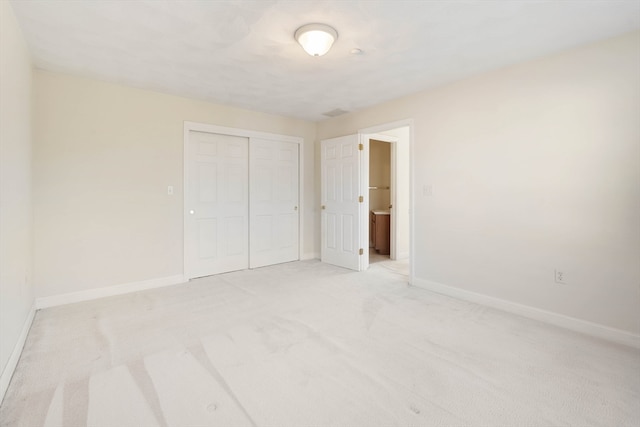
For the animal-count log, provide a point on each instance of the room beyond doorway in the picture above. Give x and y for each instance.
(380, 206)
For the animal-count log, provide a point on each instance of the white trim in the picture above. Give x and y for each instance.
(223, 130)
(300, 196)
(12, 363)
(204, 127)
(394, 125)
(412, 204)
(577, 325)
(393, 198)
(381, 137)
(387, 126)
(185, 198)
(363, 208)
(107, 291)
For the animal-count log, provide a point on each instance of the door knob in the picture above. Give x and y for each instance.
(295, 208)
(324, 207)
(390, 206)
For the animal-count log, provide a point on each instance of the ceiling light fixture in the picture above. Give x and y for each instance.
(316, 39)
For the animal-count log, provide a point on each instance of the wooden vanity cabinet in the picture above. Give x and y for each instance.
(380, 231)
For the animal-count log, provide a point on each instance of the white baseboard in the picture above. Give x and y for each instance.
(107, 291)
(589, 328)
(12, 363)
(310, 255)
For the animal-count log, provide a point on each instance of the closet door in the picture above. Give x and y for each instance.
(217, 208)
(273, 201)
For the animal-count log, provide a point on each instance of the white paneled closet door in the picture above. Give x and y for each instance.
(274, 204)
(241, 202)
(217, 225)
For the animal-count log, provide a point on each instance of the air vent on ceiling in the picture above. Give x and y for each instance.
(334, 113)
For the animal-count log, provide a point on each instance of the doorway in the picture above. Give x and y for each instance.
(387, 156)
(380, 207)
(345, 215)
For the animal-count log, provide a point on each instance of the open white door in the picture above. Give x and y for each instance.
(274, 203)
(341, 202)
(217, 204)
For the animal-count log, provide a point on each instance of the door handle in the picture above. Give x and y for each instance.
(323, 207)
(390, 206)
(295, 208)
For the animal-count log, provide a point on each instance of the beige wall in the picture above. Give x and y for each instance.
(16, 249)
(379, 174)
(534, 167)
(104, 155)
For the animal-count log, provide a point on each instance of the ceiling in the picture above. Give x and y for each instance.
(242, 53)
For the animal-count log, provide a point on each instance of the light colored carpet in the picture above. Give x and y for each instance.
(308, 344)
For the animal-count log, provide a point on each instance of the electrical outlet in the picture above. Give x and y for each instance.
(560, 277)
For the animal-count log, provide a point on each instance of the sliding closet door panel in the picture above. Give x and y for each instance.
(217, 208)
(274, 206)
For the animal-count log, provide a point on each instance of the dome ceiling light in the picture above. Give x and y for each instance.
(316, 39)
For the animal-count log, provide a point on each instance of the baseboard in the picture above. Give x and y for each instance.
(12, 363)
(589, 328)
(107, 291)
(310, 255)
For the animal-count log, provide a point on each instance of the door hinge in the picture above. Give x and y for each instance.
(361, 199)
(360, 147)
(361, 251)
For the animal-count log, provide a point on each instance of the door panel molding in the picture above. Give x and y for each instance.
(274, 206)
(189, 126)
(216, 226)
(340, 169)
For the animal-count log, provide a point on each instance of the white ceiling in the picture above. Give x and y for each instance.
(242, 52)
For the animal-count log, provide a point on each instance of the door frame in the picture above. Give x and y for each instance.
(392, 141)
(374, 132)
(223, 130)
